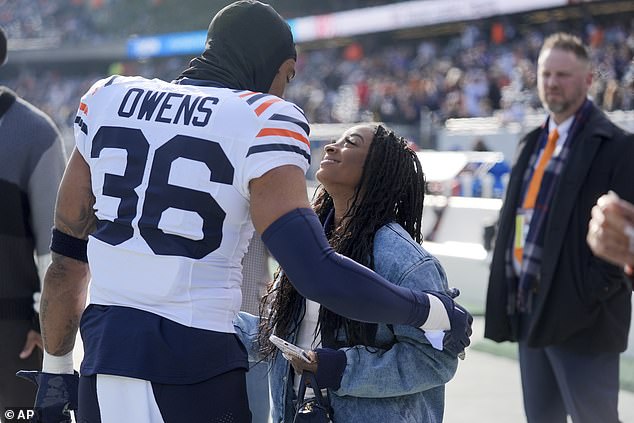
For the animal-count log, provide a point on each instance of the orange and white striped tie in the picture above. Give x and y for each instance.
(536, 182)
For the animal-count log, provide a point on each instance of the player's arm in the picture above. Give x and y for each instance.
(66, 280)
(293, 234)
(64, 294)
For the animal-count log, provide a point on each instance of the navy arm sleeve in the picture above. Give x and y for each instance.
(298, 243)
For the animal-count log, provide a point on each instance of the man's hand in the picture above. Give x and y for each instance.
(611, 231)
(456, 339)
(56, 395)
(33, 339)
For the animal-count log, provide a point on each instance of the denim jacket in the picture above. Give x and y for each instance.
(405, 383)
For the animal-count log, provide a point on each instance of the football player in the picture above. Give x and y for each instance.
(161, 195)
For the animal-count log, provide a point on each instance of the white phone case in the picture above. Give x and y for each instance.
(289, 349)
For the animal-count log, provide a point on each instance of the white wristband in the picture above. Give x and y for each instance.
(58, 364)
(438, 318)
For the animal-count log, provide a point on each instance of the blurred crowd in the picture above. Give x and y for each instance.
(56, 22)
(482, 69)
(76, 21)
(58, 92)
(486, 70)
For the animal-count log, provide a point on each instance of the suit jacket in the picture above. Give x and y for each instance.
(581, 300)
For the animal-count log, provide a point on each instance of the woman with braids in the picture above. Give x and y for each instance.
(371, 206)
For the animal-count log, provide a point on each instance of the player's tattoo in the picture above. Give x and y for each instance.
(82, 221)
(57, 270)
(67, 344)
(68, 341)
(43, 312)
(62, 325)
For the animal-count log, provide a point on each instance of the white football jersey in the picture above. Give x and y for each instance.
(170, 166)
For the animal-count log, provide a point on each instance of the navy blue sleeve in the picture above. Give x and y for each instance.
(298, 243)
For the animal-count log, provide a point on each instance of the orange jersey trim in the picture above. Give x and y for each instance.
(262, 107)
(268, 132)
(248, 93)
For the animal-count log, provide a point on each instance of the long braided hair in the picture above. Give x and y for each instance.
(391, 189)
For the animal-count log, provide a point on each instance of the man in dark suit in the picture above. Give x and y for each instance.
(569, 310)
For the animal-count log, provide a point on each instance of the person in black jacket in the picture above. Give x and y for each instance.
(32, 162)
(569, 310)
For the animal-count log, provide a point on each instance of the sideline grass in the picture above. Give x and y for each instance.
(509, 350)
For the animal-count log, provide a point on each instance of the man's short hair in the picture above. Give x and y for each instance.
(566, 42)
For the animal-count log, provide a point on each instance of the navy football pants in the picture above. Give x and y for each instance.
(116, 399)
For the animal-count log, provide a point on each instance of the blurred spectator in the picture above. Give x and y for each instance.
(75, 21)
(569, 311)
(31, 166)
(487, 69)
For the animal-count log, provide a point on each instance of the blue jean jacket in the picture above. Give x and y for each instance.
(405, 383)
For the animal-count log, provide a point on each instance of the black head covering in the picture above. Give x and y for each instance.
(247, 42)
(3, 47)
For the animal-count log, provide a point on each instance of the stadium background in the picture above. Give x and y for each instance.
(418, 74)
(446, 73)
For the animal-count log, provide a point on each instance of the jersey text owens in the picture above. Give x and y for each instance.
(167, 107)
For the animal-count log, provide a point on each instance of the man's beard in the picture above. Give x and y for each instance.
(558, 107)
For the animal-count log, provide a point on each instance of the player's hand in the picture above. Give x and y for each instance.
(33, 339)
(457, 339)
(56, 395)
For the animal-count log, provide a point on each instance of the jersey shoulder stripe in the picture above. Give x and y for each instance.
(303, 125)
(245, 93)
(271, 132)
(265, 105)
(253, 97)
(283, 129)
(81, 124)
(105, 82)
(279, 118)
(300, 111)
(83, 104)
(110, 80)
(256, 97)
(263, 148)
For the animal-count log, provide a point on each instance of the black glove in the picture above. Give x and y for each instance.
(457, 339)
(56, 395)
(330, 366)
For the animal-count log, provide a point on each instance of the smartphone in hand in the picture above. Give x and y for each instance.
(289, 349)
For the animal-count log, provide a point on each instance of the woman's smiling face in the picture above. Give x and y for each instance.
(342, 165)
